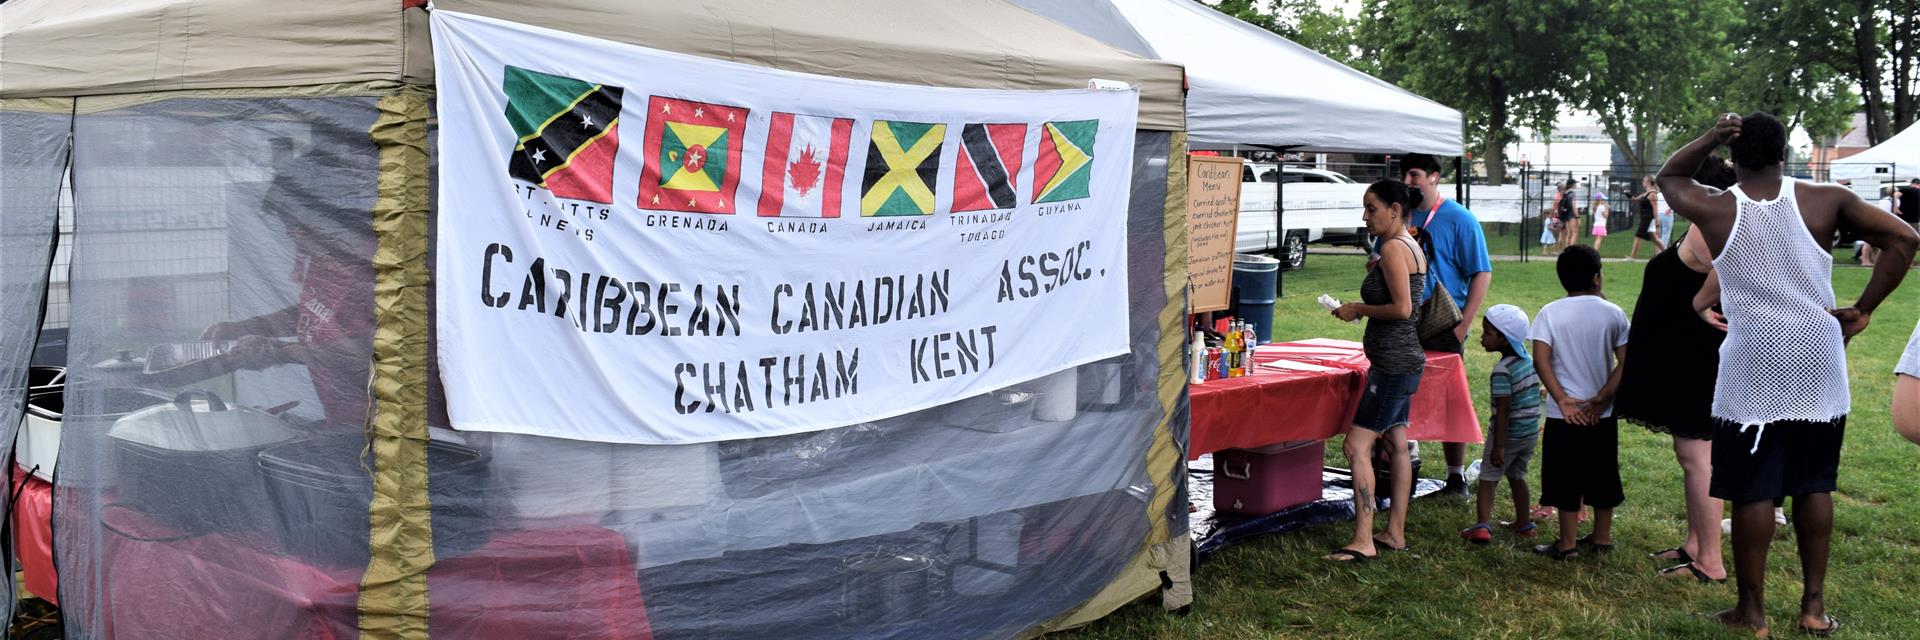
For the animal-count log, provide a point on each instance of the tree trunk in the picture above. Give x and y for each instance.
(1903, 38)
(1496, 153)
(1867, 57)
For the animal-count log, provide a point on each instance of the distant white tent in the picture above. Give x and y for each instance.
(1896, 158)
(1249, 86)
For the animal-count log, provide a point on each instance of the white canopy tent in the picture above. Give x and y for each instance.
(1248, 86)
(1896, 158)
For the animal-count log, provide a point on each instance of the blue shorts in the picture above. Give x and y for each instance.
(1386, 400)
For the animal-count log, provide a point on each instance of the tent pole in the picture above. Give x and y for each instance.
(1460, 180)
(1280, 217)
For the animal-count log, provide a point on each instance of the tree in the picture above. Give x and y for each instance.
(1791, 58)
(1503, 63)
(1640, 68)
(1306, 22)
(1890, 71)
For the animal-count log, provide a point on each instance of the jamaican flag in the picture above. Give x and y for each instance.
(566, 129)
(903, 159)
(1065, 166)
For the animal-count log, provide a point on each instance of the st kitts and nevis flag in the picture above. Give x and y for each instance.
(1065, 164)
(567, 133)
(903, 159)
(988, 166)
(692, 156)
(806, 165)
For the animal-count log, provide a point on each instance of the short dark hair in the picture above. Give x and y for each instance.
(1762, 142)
(1577, 266)
(1914, 181)
(1420, 161)
(1716, 173)
(1391, 192)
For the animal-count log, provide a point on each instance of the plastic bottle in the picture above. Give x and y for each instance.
(1197, 359)
(1233, 350)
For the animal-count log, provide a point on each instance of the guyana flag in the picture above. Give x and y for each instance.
(1065, 165)
(903, 159)
(567, 133)
(692, 156)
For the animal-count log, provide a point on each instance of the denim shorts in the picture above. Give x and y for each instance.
(1386, 400)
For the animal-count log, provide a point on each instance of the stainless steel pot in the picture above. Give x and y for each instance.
(888, 588)
(87, 426)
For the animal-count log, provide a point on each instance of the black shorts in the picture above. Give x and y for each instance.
(1752, 463)
(1580, 466)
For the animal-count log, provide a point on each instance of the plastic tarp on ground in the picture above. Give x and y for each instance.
(1899, 154)
(287, 228)
(1252, 87)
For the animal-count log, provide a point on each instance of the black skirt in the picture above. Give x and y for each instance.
(1672, 355)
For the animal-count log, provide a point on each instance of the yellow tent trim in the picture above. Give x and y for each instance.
(393, 591)
(1162, 552)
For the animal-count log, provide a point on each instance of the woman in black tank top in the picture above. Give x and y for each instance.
(1563, 207)
(1390, 301)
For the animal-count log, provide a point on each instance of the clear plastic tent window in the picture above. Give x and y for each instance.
(222, 285)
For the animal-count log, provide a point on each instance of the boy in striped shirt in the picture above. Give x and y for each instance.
(1515, 394)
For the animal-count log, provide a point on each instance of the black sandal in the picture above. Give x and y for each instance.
(1387, 547)
(1689, 567)
(1344, 555)
(1680, 555)
(1587, 541)
(1553, 550)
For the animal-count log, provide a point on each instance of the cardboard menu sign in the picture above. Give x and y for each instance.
(1213, 217)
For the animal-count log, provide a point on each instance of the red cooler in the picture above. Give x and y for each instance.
(1268, 479)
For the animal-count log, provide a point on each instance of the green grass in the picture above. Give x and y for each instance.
(1276, 587)
(1615, 246)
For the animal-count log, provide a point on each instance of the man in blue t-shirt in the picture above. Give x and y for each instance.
(1459, 262)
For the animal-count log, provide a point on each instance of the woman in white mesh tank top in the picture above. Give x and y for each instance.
(1781, 399)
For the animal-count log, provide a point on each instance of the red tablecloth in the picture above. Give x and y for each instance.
(575, 583)
(33, 535)
(1308, 390)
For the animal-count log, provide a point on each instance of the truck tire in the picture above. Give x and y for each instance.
(1293, 252)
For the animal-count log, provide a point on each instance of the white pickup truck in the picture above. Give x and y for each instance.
(1320, 203)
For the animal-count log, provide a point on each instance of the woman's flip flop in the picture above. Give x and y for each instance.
(1382, 544)
(1344, 555)
(1677, 553)
(1689, 569)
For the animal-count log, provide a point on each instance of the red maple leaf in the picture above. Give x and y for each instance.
(804, 172)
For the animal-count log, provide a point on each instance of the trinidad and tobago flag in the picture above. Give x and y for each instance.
(989, 164)
(692, 155)
(806, 164)
(568, 133)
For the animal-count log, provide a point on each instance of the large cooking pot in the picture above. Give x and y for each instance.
(888, 588)
(319, 488)
(38, 445)
(192, 463)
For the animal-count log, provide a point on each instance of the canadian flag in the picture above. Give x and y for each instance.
(806, 163)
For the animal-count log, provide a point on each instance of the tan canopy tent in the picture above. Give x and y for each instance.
(100, 47)
(261, 170)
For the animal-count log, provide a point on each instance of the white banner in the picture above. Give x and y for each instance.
(647, 247)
